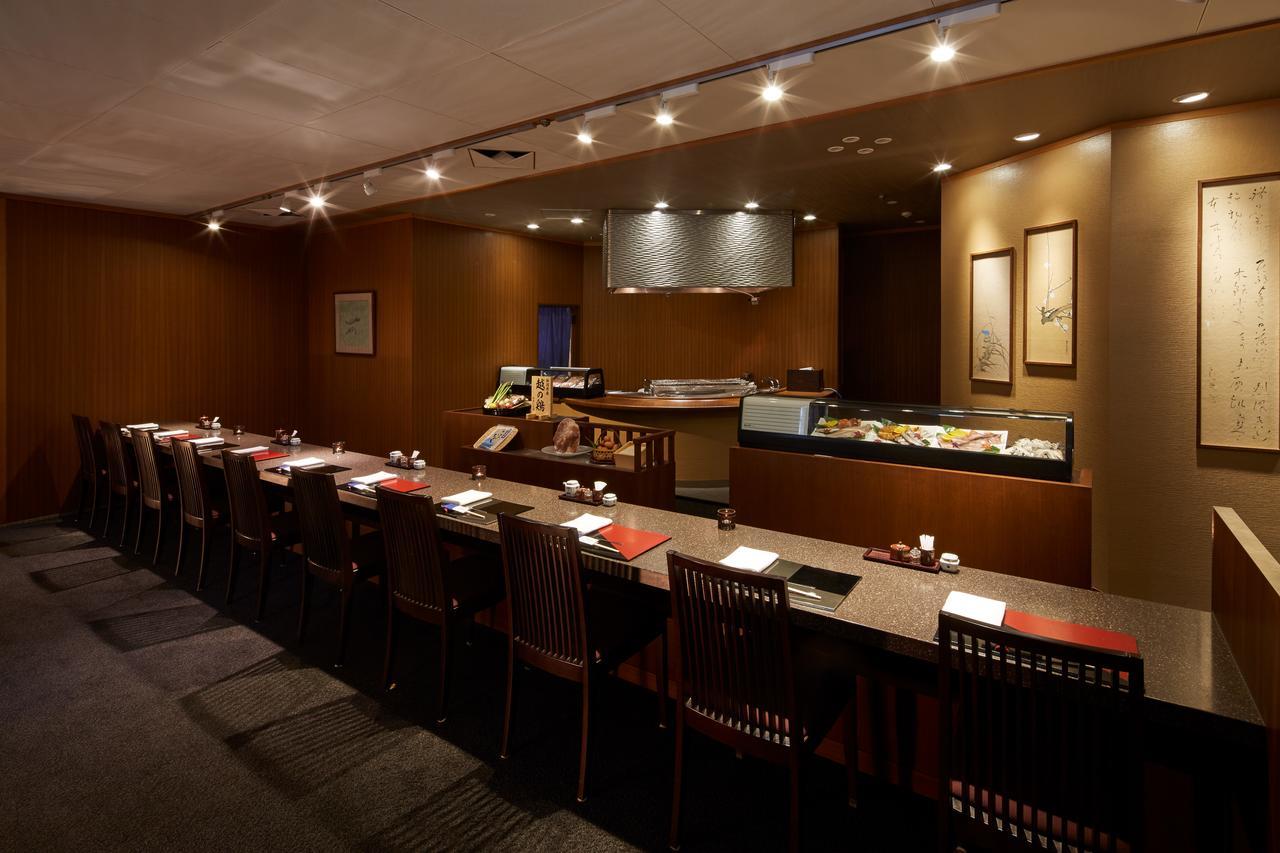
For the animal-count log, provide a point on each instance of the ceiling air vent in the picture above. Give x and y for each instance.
(499, 158)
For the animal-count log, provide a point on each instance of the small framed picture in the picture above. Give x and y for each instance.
(991, 317)
(353, 323)
(1050, 287)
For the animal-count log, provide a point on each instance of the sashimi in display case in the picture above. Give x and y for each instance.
(1017, 443)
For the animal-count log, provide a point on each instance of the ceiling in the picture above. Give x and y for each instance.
(181, 105)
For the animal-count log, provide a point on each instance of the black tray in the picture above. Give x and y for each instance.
(830, 587)
(322, 469)
(489, 509)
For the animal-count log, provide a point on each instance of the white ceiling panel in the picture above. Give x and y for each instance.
(215, 18)
(623, 47)
(325, 152)
(224, 122)
(489, 91)
(14, 151)
(494, 23)
(747, 28)
(394, 124)
(364, 43)
(92, 166)
(35, 125)
(233, 77)
(36, 82)
(57, 187)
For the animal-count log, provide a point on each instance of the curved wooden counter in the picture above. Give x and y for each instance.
(627, 403)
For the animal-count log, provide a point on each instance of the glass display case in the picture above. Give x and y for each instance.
(571, 381)
(1037, 445)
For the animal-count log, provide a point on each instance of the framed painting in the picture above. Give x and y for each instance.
(991, 317)
(1050, 290)
(1238, 314)
(353, 323)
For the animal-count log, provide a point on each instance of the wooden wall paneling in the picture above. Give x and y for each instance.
(477, 297)
(4, 369)
(890, 315)
(116, 315)
(1246, 605)
(1029, 528)
(680, 336)
(366, 401)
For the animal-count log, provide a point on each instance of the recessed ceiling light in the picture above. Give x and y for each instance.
(577, 220)
(751, 205)
(662, 205)
(851, 139)
(891, 201)
(835, 149)
(533, 226)
(866, 150)
(491, 214)
(1191, 98)
(942, 167)
(1029, 136)
(809, 217)
(943, 53)
(884, 140)
(919, 221)
(432, 173)
(906, 214)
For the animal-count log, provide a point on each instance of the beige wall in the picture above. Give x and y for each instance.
(1134, 194)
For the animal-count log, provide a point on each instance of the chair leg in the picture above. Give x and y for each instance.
(663, 682)
(182, 547)
(106, 525)
(582, 755)
(344, 616)
(232, 550)
(93, 505)
(442, 695)
(264, 575)
(155, 555)
(793, 826)
(302, 611)
(506, 717)
(204, 553)
(391, 646)
(677, 784)
(851, 746)
(137, 539)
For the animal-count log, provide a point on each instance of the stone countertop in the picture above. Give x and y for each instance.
(1189, 667)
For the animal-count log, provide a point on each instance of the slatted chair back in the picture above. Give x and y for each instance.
(733, 630)
(117, 465)
(84, 442)
(415, 554)
(192, 487)
(250, 517)
(542, 566)
(324, 533)
(1040, 741)
(144, 454)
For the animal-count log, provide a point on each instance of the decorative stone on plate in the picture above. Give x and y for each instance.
(566, 436)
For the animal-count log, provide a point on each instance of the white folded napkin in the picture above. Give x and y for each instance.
(370, 479)
(588, 523)
(470, 496)
(165, 433)
(210, 440)
(975, 607)
(304, 462)
(750, 559)
(257, 448)
(143, 426)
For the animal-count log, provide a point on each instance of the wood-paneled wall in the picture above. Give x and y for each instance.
(366, 401)
(134, 317)
(4, 370)
(685, 336)
(890, 315)
(477, 294)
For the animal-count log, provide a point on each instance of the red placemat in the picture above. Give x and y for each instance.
(631, 543)
(182, 436)
(399, 484)
(1070, 632)
(263, 455)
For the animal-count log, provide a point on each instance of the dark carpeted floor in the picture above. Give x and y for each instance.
(136, 714)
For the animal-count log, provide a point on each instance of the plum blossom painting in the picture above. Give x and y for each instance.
(991, 317)
(1049, 295)
(353, 321)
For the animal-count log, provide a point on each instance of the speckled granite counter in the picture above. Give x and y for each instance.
(1191, 676)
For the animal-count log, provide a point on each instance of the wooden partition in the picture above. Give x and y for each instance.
(1246, 605)
(1029, 528)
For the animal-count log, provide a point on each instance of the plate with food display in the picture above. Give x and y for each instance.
(582, 450)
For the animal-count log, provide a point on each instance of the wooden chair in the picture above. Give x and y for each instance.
(430, 580)
(155, 492)
(121, 482)
(1039, 742)
(198, 511)
(93, 469)
(561, 626)
(332, 556)
(254, 527)
(738, 677)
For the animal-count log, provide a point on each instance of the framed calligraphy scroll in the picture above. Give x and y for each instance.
(991, 317)
(1238, 314)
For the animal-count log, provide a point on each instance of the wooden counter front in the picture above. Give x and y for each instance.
(1028, 528)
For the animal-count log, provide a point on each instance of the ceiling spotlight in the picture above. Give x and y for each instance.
(664, 116)
(751, 205)
(1191, 98)
(943, 53)
(835, 149)
(884, 140)
(891, 201)
(906, 214)
(809, 217)
(866, 150)
(1029, 136)
(369, 175)
(432, 173)
(286, 206)
(772, 91)
(533, 226)
(213, 225)
(662, 205)
(315, 200)
(577, 220)
(584, 134)
(942, 167)
(852, 139)
(369, 188)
